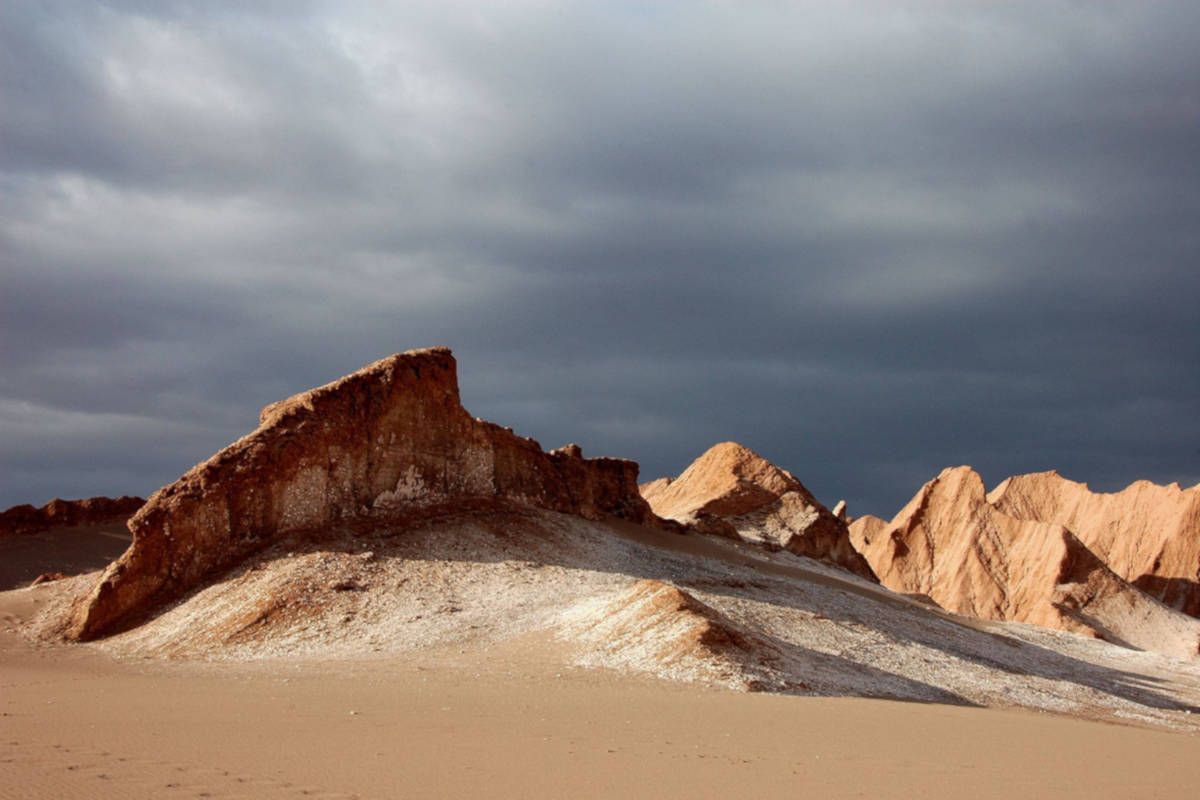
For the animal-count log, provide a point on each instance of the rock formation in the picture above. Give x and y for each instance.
(377, 444)
(732, 491)
(92, 511)
(951, 545)
(864, 530)
(1146, 533)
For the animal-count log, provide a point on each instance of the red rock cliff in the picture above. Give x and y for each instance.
(377, 443)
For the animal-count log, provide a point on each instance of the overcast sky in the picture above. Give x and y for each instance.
(868, 243)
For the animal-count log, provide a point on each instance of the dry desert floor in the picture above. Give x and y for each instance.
(517, 717)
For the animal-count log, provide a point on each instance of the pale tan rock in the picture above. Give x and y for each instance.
(953, 546)
(863, 531)
(732, 491)
(652, 489)
(1147, 533)
(377, 445)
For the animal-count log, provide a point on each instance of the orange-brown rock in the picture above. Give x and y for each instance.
(733, 491)
(376, 444)
(950, 544)
(47, 577)
(1146, 533)
(92, 511)
(864, 529)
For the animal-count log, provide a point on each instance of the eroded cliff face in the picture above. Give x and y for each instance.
(1146, 533)
(92, 511)
(378, 444)
(951, 545)
(732, 491)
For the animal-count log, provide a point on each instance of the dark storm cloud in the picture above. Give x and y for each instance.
(868, 242)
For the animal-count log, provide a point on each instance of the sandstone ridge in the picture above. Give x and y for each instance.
(91, 511)
(379, 444)
(1146, 533)
(732, 491)
(953, 546)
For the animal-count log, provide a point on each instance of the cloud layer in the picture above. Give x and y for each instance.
(868, 243)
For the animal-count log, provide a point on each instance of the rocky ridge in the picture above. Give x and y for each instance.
(1146, 533)
(732, 491)
(953, 546)
(382, 443)
(91, 511)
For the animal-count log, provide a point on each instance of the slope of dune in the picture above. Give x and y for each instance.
(733, 491)
(63, 537)
(950, 544)
(1146, 533)
(655, 627)
(618, 597)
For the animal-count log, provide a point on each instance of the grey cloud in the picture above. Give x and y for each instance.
(868, 242)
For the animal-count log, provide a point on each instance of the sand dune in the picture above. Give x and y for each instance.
(506, 722)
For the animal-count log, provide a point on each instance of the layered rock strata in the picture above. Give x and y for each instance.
(377, 444)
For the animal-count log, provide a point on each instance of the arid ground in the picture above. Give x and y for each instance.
(513, 715)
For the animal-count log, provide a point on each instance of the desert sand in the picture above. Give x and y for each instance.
(508, 722)
(375, 594)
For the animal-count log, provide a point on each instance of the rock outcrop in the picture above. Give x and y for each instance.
(377, 444)
(64, 513)
(1146, 533)
(732, 491)
(951, 545)
(864, 530)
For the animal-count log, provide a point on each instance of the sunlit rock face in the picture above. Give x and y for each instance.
(953, 546)
(1147, 533)
(733, 491)
(386, 441)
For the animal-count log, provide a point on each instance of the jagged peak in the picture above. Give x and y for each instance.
(741, 462)
(961, 478)
(1053, 480)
